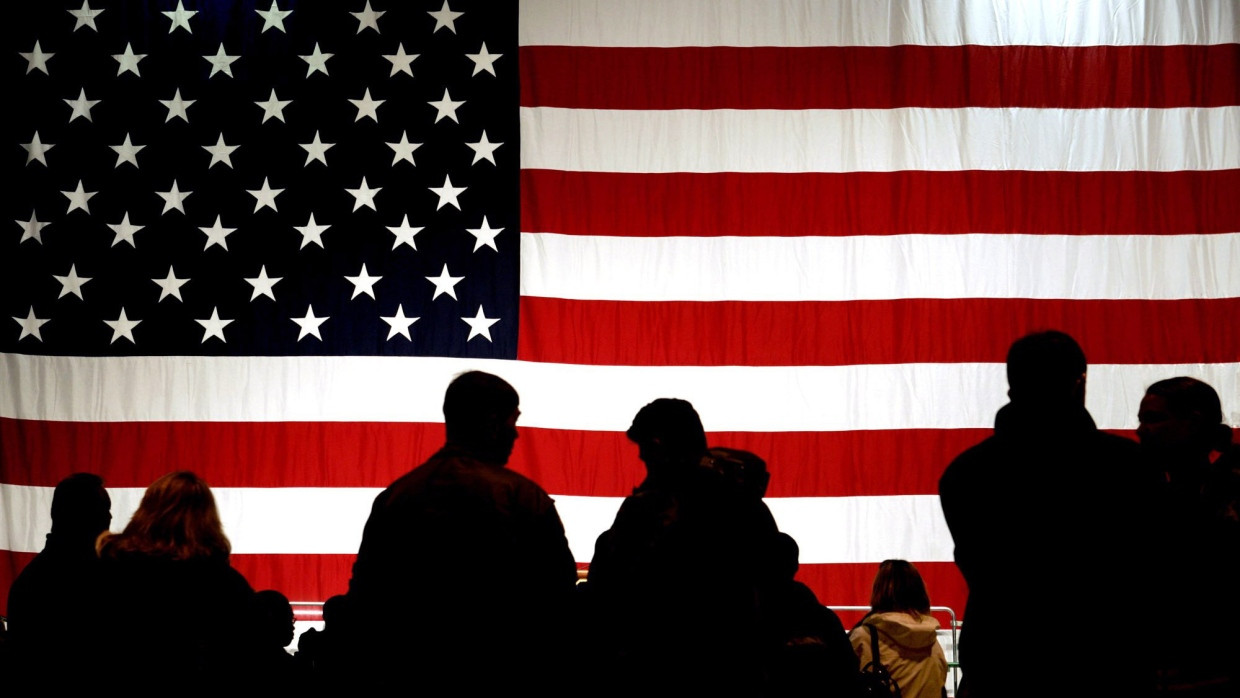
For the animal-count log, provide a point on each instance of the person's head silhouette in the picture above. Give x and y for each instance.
(669, 435)
(1046, 369)
(480, 415)
(81, 507)
(1182, 419)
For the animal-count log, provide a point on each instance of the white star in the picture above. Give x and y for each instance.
(367, 107)
(216, 234)
(309, 324)
(398, 323)
(363, 283)
(265, 197)
(479, 325)
(446, 107)
(404, 149)
(483, 60)
(71, 283)
(445, 17)
(444, 283)
(127, 152)
(85, 16)
(32, 229)
(368, 18)
(221, 62)
(274, 107)
(364, 196)
(485, 235)
(37, 150)
(316, 61)
(177, 106)
(124, 231)
(213, 326)
(404, 233)
(122, 327)
(220, 152)
(173, 198)
(170, 285)
(31, 324)
(401, 61)
(79, 198)
(180, 18)
(81, 106)
(311, 232)
(316, 150)
(128, 60)
(273, 17)
(263, 284)
(37, 60)
(448, 193)
(484, 149)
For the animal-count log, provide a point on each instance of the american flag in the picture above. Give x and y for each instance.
(820, 221)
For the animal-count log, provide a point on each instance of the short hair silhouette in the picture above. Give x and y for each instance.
(1198, 403)
(673, 424)
(473, 402)
(1045, 367)
(898, 587)
(80, 504)
(274, 618)
(177, 518)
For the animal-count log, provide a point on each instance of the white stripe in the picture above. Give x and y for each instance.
(290, 521)
(879, 140)
(877, 22)
(880, 267)
(554, 396)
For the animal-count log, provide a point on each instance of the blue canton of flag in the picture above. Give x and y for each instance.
(261, 178)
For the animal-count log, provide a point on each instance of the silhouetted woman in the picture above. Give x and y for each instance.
(907, 642)
(181, 615)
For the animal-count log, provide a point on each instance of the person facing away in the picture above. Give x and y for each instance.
(807, 650)
(1047, 519)
(272, 667)
(908, 642)
(673, 582)
(1181, 426)
(54, 594)
(320, 653)
(174, 604)
(464, 574)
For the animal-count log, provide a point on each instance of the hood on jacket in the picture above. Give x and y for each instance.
(904, 630)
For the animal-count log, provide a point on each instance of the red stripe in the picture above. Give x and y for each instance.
(348, 454)
(879, 203)
(883, 77)
(829, 333)
(317, 577)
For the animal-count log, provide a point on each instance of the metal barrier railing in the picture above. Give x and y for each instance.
(954, 662)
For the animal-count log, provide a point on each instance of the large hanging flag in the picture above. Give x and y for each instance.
(256, 240)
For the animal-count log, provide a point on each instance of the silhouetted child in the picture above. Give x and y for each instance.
(319, 651)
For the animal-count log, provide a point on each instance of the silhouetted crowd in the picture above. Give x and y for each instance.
(1095, 566)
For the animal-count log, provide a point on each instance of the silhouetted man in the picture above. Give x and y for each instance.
(674, 581)
(463, 574)
(1045, 518)
(54, 599)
